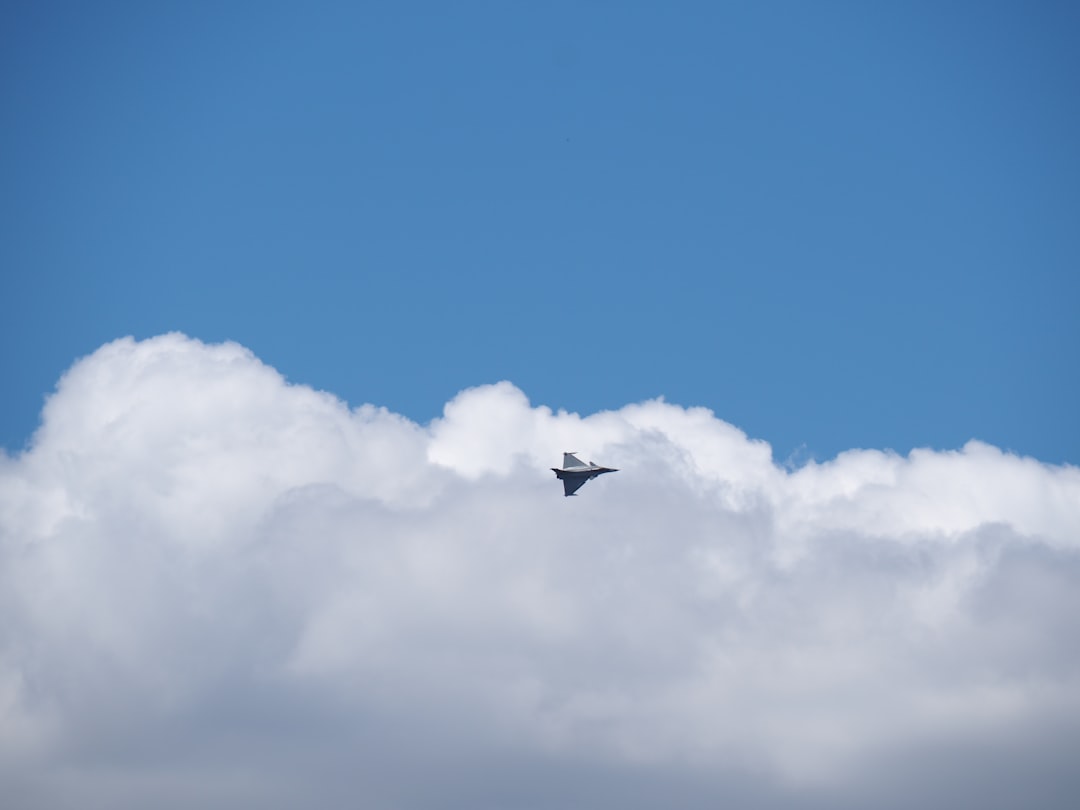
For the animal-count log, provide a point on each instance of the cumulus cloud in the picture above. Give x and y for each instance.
(221, 589)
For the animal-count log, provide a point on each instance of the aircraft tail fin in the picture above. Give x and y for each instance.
(570, 460)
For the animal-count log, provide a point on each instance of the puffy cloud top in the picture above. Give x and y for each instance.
(223, 589)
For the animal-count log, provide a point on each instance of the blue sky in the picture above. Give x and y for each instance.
(835, 224)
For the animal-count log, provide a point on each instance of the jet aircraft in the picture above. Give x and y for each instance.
(575, 472)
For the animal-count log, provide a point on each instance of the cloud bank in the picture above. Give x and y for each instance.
(217, 588)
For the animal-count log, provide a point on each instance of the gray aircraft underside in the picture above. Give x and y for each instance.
(574, 473)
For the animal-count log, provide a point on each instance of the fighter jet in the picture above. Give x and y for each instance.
(575, 472)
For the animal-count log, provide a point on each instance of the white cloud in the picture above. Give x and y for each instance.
(223, 589)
